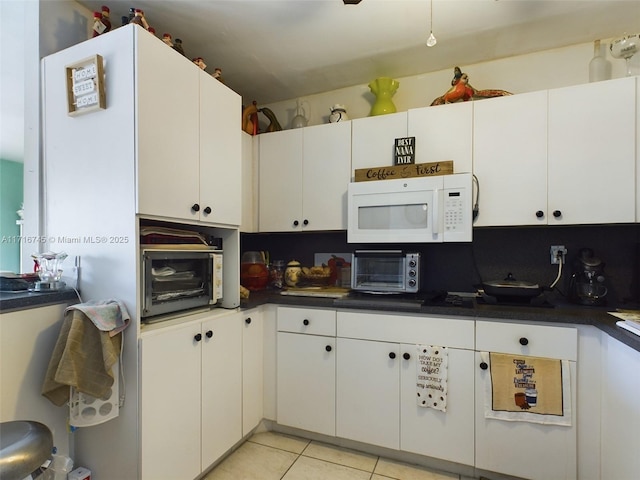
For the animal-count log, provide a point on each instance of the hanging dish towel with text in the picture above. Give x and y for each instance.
(431, 377)
(527, 389)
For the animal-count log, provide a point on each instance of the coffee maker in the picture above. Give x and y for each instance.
(588, 283)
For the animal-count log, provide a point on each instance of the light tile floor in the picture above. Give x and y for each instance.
(274, 456)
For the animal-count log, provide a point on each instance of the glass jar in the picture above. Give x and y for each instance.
(276, 274)
(253, 271)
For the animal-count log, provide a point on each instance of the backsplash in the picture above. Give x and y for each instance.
(494, 252)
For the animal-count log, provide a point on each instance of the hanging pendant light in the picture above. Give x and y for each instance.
(431, 41)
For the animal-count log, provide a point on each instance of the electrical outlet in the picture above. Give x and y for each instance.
(558, 252)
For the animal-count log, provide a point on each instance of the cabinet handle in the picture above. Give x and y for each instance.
(195, 207)
(524, 341)
(539, 214)
(197, 337)
(209, 334)
(247, 320)
(207, 210)
(305, 222)
(328, 348)
(296, 223)
(392, 355)
(406, 356)
(305, 321)
(557, 213)
(484, 365)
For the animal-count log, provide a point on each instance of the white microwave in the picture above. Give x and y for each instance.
(412, 210)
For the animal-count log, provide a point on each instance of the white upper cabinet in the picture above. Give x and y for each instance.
(510, 159)
(188, 139)
(304, 174)
(220, 152)
(167, 129)
(559, 157)
(592, 153)
(373, 139)
(443, 132)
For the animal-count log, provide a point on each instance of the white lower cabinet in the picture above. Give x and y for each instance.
(252, 369)
(376, 395)
(187, 427)
(527, 450)
(368, 392)
(306, 369)
(620, 414)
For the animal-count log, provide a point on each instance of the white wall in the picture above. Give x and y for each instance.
(538, 71)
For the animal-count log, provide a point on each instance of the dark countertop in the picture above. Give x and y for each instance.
(22, 300)
(561, 313)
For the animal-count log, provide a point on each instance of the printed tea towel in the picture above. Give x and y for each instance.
(431, 377)
(527, 389)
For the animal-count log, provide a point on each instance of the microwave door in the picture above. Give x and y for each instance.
(395, 217)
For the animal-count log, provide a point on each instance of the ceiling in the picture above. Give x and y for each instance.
(273, 50)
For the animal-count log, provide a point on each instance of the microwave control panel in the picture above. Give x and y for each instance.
(453, 211)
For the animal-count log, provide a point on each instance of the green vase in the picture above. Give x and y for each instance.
(383, 88)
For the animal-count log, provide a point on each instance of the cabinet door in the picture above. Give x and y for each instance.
(373, 139)
(592, 152)
(249, 222)
(306, 382)
(326, 175)
(281, 181)
(170, 403)
(368, 392)
(221, 386)
(220, 152)
(521, 449)
(444, 132)
(426, 431)
(510, 159)
(167, 121)
(620, 414)
(252, 369)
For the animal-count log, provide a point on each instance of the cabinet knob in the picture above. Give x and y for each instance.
(296, 223)
(328, 348)
(392, 355)
(557, 213)
(524, 341)
(247, 320)
(305, 222)
(483, 365)
(197, 337)
(195, 207)
(305, 321)
(406, 356)
(209, 334)
(539, 214)
(207, 210)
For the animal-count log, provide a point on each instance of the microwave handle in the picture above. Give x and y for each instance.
(436, 211)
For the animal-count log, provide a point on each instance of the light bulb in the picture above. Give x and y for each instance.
(431, 41)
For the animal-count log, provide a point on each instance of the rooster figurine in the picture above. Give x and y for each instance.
(461, 90)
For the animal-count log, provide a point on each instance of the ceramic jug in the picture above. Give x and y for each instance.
(300, 120)
(383, 88)
(338, 113)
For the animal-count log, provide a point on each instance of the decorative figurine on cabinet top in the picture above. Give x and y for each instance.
(105, 18)
(199, 61)
(461, 90)
(177, 46)
(166, 38)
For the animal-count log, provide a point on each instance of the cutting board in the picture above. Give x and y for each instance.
(326, 292)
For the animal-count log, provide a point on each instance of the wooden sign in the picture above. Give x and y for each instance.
(433, 169)
(85, 86)
(405, 151)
